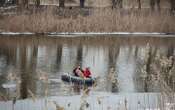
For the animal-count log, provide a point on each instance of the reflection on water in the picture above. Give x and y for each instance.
(126, 66)
(27, 57)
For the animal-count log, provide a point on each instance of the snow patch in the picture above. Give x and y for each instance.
(9, 85)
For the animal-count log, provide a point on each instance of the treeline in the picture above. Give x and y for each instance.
(21, 3)
(152, 3)
(114, 3)
(25, 3)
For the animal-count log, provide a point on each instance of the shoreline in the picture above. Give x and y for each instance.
(91, 34)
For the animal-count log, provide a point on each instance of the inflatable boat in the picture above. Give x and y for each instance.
(78, 80)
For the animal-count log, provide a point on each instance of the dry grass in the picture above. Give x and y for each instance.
(97, 20)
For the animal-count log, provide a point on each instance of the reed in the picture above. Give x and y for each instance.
(160, 70)
(95, 20)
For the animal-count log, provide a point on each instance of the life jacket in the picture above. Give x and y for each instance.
(87, 73)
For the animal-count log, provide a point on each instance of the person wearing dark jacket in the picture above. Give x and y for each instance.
(78, 72)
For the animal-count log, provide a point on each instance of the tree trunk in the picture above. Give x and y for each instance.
(17, 2)
(139, 4)
(23, 3)
(59, 55)
(148, 64)
(152, 4)
(61, 3)
(170, 51)
(2, 2)
(120, 3)
(14, 1)
(24, 78)
(117, 3)
(114, 3)
(82, 3)
(172, 2)
(158, 4)
(37, 3)
(148, 70)
(79, 55)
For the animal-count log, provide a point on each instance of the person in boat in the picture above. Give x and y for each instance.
(87, 73)
(78, 72)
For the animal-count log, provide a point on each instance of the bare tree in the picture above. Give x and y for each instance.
(153, 3)
(13, 1)
(148, 69)
(82, 2)
(172, 2)
(120, 3)
(23, 3)
(37, 3)
(2, 2)
(114, 3)
(139, 4)
(117, 3)
(61, 3)
(158, 4)
(17, 2)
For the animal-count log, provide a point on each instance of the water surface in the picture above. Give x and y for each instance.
(30, 57)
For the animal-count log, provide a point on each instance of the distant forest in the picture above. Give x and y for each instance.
(152, 4)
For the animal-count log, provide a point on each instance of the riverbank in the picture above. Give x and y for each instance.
(90, 34)
(73, 19)
(98, 101)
